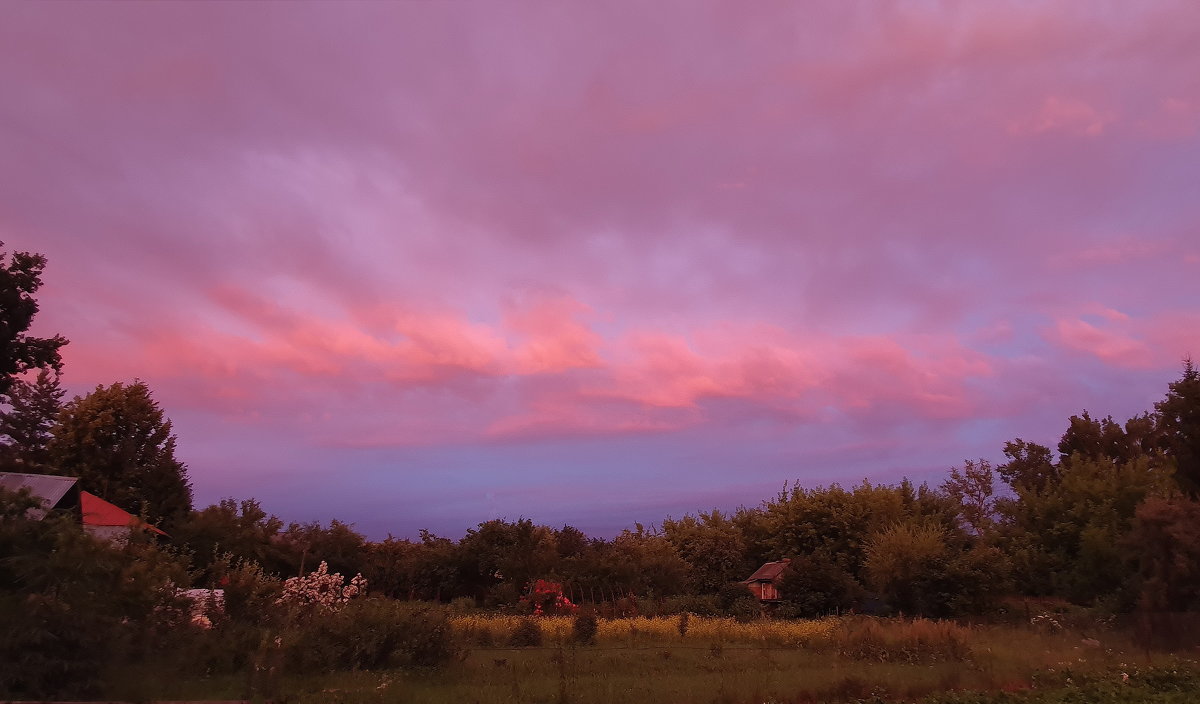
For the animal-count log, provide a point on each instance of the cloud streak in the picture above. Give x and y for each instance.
(723, 248)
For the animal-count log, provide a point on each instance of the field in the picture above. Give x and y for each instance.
(723, 661)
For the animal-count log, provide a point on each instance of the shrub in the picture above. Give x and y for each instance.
(816, 585)
(527, 633)
(462, 605)
(746, 608)
(368, 635)
(584, 627)
(321, 589)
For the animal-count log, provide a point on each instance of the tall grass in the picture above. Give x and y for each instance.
(884, 640)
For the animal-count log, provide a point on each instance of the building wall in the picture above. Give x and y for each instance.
(117, 535)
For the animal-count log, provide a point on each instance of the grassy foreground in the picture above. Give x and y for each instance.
(722, 661)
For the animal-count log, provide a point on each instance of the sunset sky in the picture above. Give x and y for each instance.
(426, 264)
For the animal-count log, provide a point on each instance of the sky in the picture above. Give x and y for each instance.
(421, 265)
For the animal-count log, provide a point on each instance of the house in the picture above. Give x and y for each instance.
(104, 520)
(56, 493)
(98, 517)
(764, 583)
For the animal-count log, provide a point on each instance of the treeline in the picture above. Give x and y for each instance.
(1109, 517)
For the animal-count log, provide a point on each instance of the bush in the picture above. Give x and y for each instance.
(816, 585)
(462, 605)
(527, 633)
(72, 606)
(368, 635)
(584, 627)
(746, 608)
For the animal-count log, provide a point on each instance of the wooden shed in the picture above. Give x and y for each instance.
(764, 583)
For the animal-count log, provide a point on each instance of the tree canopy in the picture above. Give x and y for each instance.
(20, 279)
(118, 442)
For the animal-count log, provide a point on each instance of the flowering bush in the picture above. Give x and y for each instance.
(547, 599)
(321, 588)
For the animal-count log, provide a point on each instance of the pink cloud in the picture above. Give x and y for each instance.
(1112, 346)
(554, 339)
(829, 228)
(1174, 119)
(1066, 115)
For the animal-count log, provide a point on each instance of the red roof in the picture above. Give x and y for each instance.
(98, 512)
(769, 572)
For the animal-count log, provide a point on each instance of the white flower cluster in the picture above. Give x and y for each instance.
(1046, 621)
(321, 589)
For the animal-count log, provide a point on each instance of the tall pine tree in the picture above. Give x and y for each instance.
(25, 426)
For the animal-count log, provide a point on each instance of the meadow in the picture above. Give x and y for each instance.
(724, 661)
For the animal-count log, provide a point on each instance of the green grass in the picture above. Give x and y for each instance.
(682, 671)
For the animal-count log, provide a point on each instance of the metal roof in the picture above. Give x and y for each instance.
(98, 512)
(47, 487)
(768, 572)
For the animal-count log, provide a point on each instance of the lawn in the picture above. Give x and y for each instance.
(720, 660)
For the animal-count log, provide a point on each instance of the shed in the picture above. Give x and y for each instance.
(764, 583)
(97, 516)
(55, 492)
(104, 520)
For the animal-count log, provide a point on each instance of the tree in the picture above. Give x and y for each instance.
(816, 585)
(972, 490)
(1166, 539)
(25, 426)
(1067, 539)
(1030, 466)
(117, 441)
(1179, 420)
(242, 530)
(920, 566)
(712, 545)
(498, 551)
(339, 545)
(20, 278)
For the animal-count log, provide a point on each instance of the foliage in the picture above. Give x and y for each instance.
(405, 569)
(546, 599)
(119, 444)
(1068, 538)
(816, 585)
(972, 492)
(526, 633)
(640, 562)
(72, 605)
(585, 627)
(1166, 540)
(840, 522)
(712, 545)
(367, 635)
(920, 567)
(249, 591)
(25, 426)
(339, 545)
(1179, 419)
(237, 530)
(20, 279)
(1030, 466)
(498, 551)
